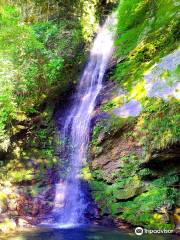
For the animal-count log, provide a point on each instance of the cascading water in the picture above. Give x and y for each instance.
(70, 202)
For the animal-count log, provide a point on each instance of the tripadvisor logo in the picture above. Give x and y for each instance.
(138, 231)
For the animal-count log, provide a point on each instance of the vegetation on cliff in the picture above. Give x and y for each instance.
(134, 166)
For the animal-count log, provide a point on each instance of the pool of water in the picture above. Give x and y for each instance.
(85, 233)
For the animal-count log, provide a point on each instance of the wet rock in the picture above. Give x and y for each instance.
(92, 213)
(46, 207)
(163, 213)
(50, 194)
(34, 207)
(108, 91)
(107, 222)
(119, 223)
(170, 153)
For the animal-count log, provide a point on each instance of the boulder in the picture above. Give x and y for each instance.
(129, 190)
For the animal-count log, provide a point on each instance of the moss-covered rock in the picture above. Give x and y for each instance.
(129, 190)
(128, 180)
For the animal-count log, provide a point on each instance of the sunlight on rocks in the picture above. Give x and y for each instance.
(132, 108)
(159, 84)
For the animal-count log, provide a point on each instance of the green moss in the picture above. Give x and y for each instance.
(20, 175)
(109, 127)
(115, 102)
(130, 165)
(158, 124)
(86, 173)
(142, 209)
(149, 208)
(145, 34)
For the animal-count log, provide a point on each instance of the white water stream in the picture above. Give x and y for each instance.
(70, 202)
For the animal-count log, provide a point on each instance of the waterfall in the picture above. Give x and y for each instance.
(70, 202)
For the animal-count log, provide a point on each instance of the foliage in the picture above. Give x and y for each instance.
(138, 193)
(20, 175)
(159, 195)
(108, 127)
(38, 50)
(115, 102)
(85, 173)
(145, 34)
(99, 128)
(158, 124)
(22, 85)
(142, 209)
(130, 166)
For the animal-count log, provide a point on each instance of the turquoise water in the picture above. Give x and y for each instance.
(85, 233)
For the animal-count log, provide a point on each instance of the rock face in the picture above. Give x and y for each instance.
(121, 180)
(110, 159)
(130, 109)
(17, 205)
(129, 190)
(134, 151)
(158, 81)
(24, 203)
